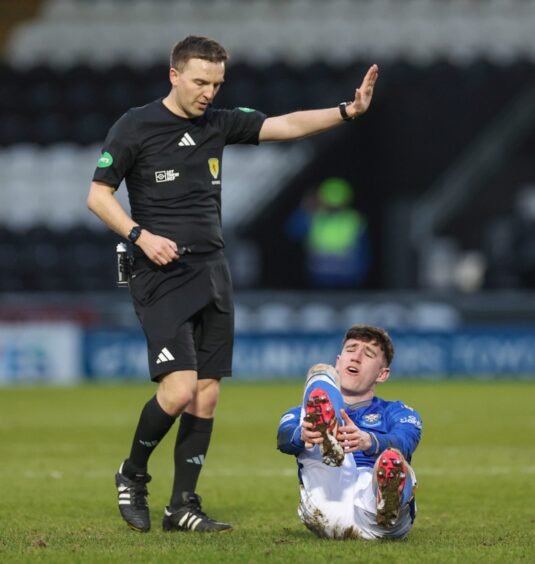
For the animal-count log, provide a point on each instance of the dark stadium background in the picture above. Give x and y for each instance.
(441, 165)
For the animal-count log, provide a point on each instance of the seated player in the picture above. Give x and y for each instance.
(353, 448)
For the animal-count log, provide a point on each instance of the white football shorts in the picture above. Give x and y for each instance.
(339, 503)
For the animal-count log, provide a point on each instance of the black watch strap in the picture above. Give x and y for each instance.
(343, 111)
(134, 234)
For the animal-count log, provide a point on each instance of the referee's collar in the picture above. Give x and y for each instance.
(181, 118)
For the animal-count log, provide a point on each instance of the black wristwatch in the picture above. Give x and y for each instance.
(134, 234)
(343, 111)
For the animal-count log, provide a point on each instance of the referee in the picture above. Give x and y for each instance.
(170, 152)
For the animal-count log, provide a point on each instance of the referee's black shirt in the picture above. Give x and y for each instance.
(172, 168)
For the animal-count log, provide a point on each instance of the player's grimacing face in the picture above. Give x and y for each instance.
(361, 365)
(196, 85)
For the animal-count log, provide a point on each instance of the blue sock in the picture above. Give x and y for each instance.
(406, 494)
(330, 389)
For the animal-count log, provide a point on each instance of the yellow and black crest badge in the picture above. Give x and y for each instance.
(213, 165)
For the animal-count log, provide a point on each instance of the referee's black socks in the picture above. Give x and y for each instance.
(191, 447)
(153, 425)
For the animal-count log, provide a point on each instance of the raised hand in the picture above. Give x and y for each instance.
(351, 437)
(364, 94)
(309, 436)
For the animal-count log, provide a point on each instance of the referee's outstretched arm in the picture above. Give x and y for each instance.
(301, 124)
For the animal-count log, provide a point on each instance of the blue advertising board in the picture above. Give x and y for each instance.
(40, 353)
(474, 352)
(115, 353)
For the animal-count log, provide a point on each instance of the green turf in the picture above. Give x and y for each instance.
(59, 449)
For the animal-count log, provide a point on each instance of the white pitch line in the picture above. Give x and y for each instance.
(481, 471)
(291, 472)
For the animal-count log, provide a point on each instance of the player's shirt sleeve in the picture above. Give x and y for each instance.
(404, 431)
(119, 152)
(242, 125)
(289, 433)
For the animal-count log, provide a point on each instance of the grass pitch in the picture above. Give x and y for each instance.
(60, 448)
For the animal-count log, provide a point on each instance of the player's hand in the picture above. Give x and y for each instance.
(350, 437)
(159, 250)
(364, 94)
(308, 436)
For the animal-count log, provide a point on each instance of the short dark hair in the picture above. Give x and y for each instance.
(197, 47)
(370, 334)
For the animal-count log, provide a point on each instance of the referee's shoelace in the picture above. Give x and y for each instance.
(141, 493)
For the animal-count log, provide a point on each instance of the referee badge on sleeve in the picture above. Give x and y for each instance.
(105, 160)
(213, 165)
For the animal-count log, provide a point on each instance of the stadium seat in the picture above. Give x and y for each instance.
(103, 31)
(70, 73)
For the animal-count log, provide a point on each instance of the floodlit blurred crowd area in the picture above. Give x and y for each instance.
(410, 217)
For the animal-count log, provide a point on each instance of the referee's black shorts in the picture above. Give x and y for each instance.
(186, 310)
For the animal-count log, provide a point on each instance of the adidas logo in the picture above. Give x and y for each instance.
(124, 495)
(164, 356)
(149, 444)
(196, 459)
(187, 521)
(186, 141)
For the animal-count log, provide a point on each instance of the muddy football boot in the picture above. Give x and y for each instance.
(190, 517)
(392, 479)
(320, 411)
(133, 500)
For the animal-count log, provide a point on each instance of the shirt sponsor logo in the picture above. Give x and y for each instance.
(105, 160)
(213, 165)
(246, 110)
(411, 420)
(166, 175)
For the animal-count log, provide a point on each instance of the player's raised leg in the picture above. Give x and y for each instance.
(394, 484)
(326, 505)
(322, 402)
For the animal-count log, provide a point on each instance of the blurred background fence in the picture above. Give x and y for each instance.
(435, 185)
